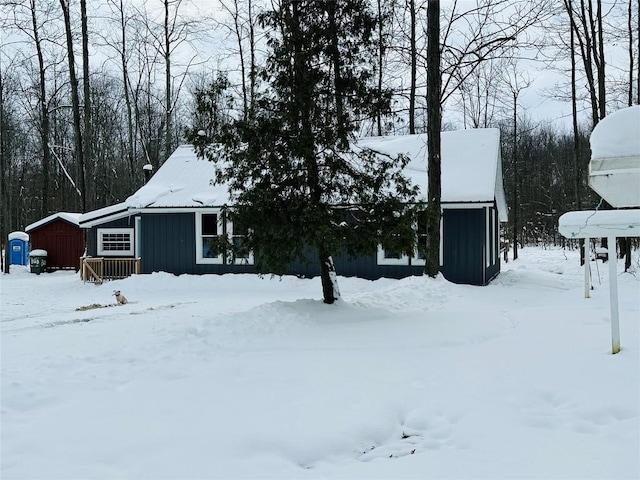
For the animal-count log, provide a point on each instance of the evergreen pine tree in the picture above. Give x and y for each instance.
(297, 180)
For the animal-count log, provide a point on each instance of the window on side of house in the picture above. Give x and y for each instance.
(208, 232)
(115, 242)
(241, 255)
(387, 256)
(494, 237)
(491, 241)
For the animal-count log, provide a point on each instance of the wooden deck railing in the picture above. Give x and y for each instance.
(97, 270)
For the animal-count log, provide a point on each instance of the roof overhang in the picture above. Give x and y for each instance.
(103, 215)
(71, 218)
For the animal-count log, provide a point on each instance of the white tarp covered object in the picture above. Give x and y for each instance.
(602, 223)
(614, 170)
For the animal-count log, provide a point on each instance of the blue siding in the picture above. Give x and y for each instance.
(463, 245)
(92, 234)
(168, 244)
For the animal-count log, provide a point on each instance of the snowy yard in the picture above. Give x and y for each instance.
(238, 376)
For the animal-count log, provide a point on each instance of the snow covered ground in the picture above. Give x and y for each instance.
(238, 376)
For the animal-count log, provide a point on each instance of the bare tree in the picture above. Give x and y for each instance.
(630, 50)
(75, 101)
(413, 57)
(586, 24)
(489, 30)
(4, 197)
(244, 29)
(121, 46)
(434, 127)
(86, 152)
(44, 119)
(515, 81)
(480, 92)
(576, 146)
(168, 35)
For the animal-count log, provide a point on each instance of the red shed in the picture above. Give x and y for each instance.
(62, 238)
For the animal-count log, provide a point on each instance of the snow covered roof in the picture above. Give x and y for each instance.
(19, 236)
(183, 180)
(614, 170)
(471, 173)
(600, 223)
(112, 212)
(471, 165)
(72, 218)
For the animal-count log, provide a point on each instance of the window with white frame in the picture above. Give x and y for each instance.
(240, 255)
(212, 233)
(389, 257)
(208, 232)
(115, 242)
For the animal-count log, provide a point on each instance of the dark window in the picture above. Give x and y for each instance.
(210, 244)
(209, 224)
(242, 254)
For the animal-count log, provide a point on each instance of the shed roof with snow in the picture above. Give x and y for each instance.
(72, 218)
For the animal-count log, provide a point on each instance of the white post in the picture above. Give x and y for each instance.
(613, 294)
(587, 266)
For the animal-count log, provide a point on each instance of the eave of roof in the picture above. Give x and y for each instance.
(72, 218)
(102, 215)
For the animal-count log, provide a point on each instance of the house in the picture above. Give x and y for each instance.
(169, 223)
(62, 238)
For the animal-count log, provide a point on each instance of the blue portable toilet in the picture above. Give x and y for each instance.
(18, 248)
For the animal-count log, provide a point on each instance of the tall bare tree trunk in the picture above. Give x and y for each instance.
(87, 100)
(434, 127)
(602, 93)
(576, 141)
(253, 68)
(75, 102)
(381, 49)
(516, 177)
(168, 100)
(4, 196)
(127, 95)
(414, 63)
(630, 32)
(44, 113)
